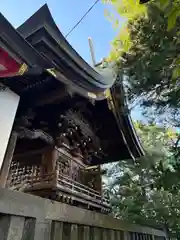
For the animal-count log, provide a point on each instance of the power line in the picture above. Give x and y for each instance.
(81, 18)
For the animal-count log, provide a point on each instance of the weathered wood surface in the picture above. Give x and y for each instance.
(8, 159)
(26, 217)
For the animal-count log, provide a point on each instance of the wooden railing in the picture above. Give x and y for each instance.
(31, 181)
(60, 181)
(27, 217)
(81, 188)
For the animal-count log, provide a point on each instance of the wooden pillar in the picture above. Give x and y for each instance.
(99, 181)
(8, 159)
(54, 164)
(49, 158)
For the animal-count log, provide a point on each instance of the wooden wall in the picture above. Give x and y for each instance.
(26, 217)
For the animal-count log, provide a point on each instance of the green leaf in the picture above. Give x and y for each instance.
(163, 3)
(172, 18)
(176, 73)
(177, 61)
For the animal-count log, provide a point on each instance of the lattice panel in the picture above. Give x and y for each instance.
(63, 166)
(22, 173)
(69, 167)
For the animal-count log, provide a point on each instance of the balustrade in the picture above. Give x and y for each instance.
(76, 187)
(68, 177)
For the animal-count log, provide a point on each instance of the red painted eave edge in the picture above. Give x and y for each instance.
(8, 66)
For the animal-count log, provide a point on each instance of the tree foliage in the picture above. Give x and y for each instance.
(151, 62)
(147, 56)
(147, 191)
(147, 53)
(132, 9)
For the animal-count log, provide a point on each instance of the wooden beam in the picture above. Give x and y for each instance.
(48, 161)
(94, 170)
(91, 168)
(8, 159)
(29, 153)
(34, 134)
(58, 94)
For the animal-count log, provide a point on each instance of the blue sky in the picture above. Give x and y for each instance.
(66, 14)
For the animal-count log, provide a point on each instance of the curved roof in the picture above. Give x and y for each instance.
(39, 43)
(18, 48)
(125, 122)
(42, 32)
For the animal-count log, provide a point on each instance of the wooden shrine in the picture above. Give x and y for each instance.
(70, 119)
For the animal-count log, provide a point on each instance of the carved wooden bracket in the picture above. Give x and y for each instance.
(34, 134)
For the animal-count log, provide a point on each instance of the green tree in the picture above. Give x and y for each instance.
(151, 62)
(147, 54)
(147, 191)
(132, 9)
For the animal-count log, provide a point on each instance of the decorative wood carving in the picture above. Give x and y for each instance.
(6, 166)
(64, 169)
(34, 134)
(57, 167)
(77, 133)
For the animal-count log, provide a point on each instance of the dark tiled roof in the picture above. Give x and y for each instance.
(39, 43)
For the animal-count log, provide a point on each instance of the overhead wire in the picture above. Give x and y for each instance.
(86, 13)
(140, 2)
